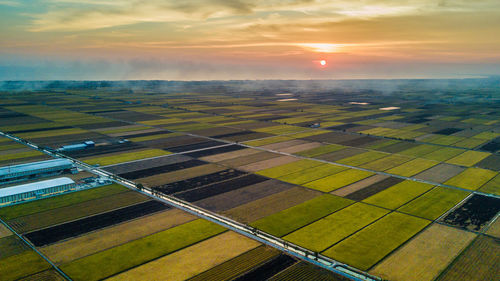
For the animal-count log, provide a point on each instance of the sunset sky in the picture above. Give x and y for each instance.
(248, 39)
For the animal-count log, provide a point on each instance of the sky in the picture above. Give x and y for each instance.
(248, 39)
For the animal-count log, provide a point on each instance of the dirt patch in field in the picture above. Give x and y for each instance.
(358, 185)
(271, 204)
(440, 173)
(300, 147)
(219, 188)
(362, 141)
(195, 182)
(491, 162)
(285, 144)
(215, 151)
(162, 169)
(261, 165)
(242, 196)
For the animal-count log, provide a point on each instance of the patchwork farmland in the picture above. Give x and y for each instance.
(404, 194)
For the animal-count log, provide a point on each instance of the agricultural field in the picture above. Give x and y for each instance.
(325, 232)
(426, 255)
(368, 246)
(434, 203)
(479, 261)
(388, 192)
(398, 194)
(292, 218)
(471, 178)
(338, 180)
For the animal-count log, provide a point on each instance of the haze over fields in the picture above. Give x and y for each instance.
(243, 39)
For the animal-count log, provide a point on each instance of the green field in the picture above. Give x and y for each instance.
(284, 222)
(269, 140)
(327, 231)
(21, 265)
(434, 203)
(11, 145)
(472, 178)
(366, 247)
(120, 258)
(11, 245)
(412, 167)
(76, 211)
(321, 150)
(493, 186)
(311, 174)
(338, 180)
(37, 206)
(469, 143)
(387, 162)
(20, 155)
(420, 150)
(125, 157)
(282, 170)
(468, 158)
(443, 154)
(398, 194)
(362, 158)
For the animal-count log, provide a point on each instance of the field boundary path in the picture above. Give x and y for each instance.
(34, 249)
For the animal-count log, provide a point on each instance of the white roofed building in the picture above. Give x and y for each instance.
(35, 190)
(35, 169)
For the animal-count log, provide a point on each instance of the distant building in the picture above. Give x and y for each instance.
(35, 190)
(35, 169)
(78, 146)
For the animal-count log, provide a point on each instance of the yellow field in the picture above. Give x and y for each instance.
(424, 257)
(69, 250)
(192, 260)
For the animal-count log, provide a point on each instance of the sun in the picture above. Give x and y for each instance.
(322, 62)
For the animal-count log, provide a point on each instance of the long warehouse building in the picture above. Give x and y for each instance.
(35, 169)
(35, 190)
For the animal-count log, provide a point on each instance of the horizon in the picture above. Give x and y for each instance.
(248, 40)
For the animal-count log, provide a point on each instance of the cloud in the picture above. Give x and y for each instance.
(72, 15)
